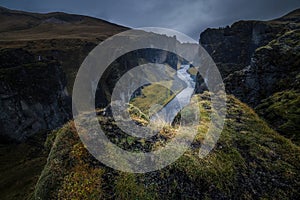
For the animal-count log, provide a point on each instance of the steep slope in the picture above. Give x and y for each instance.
(259, 62)
(282, 111)
(250, 161)
(33, 95)
(40, 55)
(62, 37)
(232, 47)
(272, 84)
(274, 68)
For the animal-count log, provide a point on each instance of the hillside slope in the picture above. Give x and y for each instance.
(40, 55)
(20, 25)
(260, 64)
(250, 161)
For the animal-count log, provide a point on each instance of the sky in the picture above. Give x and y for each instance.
(190, 17)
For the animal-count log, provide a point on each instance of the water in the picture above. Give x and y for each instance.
(169, 111)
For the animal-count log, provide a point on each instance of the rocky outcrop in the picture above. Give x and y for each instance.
(232, 47)
(259, 62)
(256, 58)
(33, 96)
(274, 68)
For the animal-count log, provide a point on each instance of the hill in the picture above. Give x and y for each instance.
(20, 25)
(250, 161)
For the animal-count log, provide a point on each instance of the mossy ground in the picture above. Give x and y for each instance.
(21, 165)
(282, 111)
(250, 161)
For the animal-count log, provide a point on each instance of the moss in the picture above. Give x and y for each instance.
(56, 169)
(282, 111)
(82, 183)
(267, 47)
(127, 187)
(138, 115)
(250, 161)
(193, 71)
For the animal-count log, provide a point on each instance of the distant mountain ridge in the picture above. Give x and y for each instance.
(22, 25)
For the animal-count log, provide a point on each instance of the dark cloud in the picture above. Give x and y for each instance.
(187, 16)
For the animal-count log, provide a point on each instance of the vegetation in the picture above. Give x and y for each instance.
(193, 71)
(154, 94)
(21, 165)
(250, 161)
(282, 111)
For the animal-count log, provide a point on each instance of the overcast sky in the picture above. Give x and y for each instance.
(187, 16)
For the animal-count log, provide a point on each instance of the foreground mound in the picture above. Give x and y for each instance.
(250, 161)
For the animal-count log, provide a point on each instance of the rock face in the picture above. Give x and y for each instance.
(33, 96)
(274, 68)
(259, 62)
(232, 47)
(250, 160)
(256, 59)
(40, 55)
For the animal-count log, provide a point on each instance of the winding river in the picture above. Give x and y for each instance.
(183, 98)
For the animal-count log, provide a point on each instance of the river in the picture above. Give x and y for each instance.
(183, 98)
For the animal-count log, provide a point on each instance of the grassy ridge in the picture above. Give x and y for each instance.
(250, 161)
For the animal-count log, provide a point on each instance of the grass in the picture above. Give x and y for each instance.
(154, 97)
(282, 111)
(249, 161)
(128, 187)
(193, 71)
(17, 25)
(21, 165)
